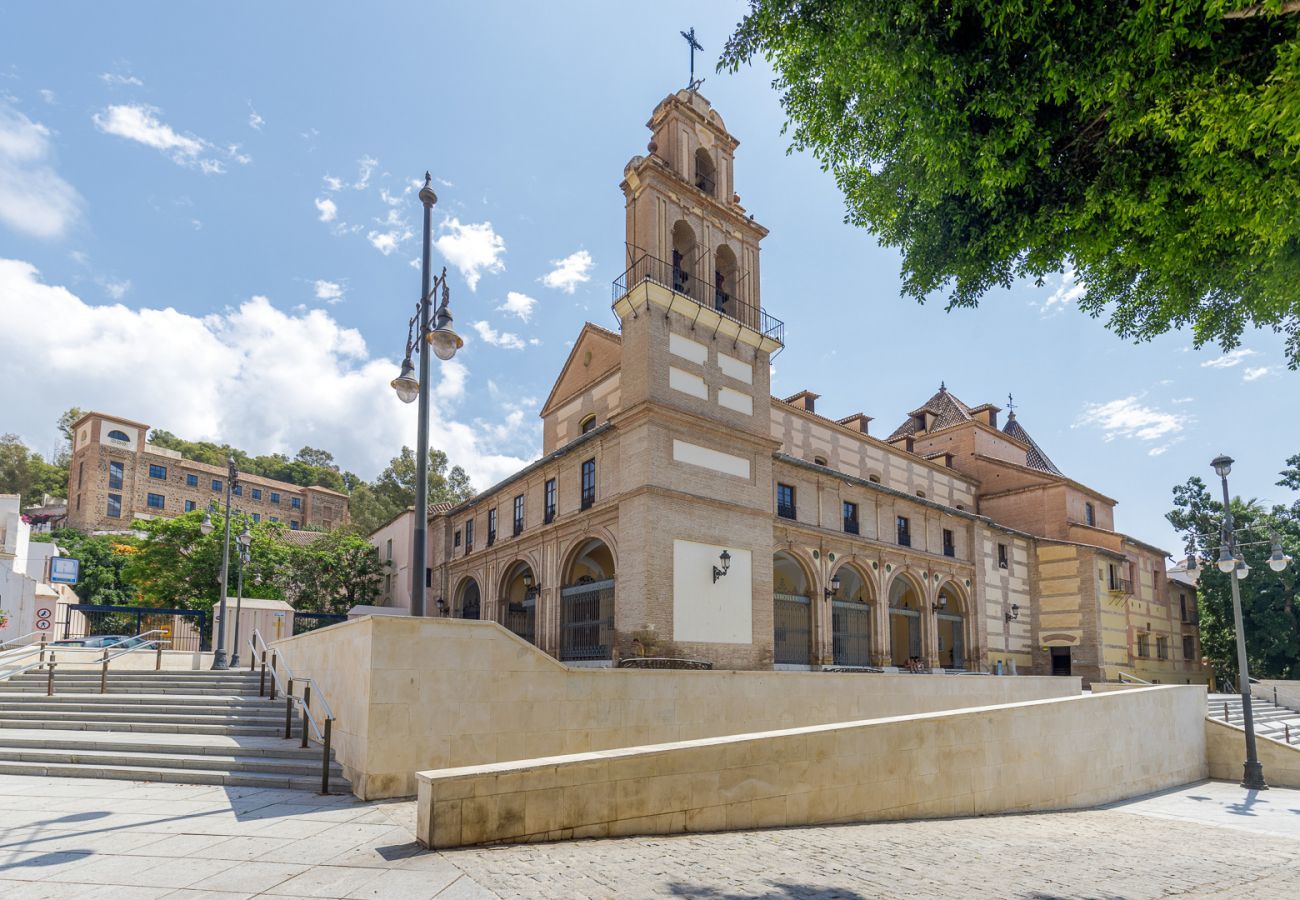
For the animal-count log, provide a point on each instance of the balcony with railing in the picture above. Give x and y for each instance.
(699, 291)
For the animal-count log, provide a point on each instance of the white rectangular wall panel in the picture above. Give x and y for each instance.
(687, 383)
(687, 349)
(696, 455)
(732, 399)
(718, 612)
(734, 368)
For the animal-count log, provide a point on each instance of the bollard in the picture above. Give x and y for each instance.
(49, 687)
(272, 676)
(288, 710)
(261, 684)
(103, 673)
(1225, 710)
(1275, 695)
(42, 648)
(306, 703)
(1287, 726)
(325, 756)
(157, 660)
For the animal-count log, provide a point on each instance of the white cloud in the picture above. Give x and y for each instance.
(115, 80)
(389, 198)
(473, 249)
(262, 378)
(1068, 290)
(498, 338)
(518, 304)
(332, 183)
(1158, 451)
(1228, 360)
(141, 123)
(329, 291)
(366, 166)
(48, 96)
(1252, 374)
(573, 270)
(387, 242)
(116, 289)
(255, 120)
(1129, 418)
(34, 199)
(329, 210)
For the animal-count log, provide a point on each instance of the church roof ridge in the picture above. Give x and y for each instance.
(1035, 458)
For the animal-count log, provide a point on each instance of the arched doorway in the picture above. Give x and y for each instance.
(683, 257)
(587, 603)
(724, 281)
(950, 619)
(518, 604)
(791, 612)
(850, 618)
(468, 603)
(904, 621)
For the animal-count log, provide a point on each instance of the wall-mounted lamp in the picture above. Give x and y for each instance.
(1014, 614)
(442, 606)
(942, 604)
(531, 587)
(834, 588)
(725, 559)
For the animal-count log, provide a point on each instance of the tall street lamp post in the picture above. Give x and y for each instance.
(1232, 563)
(245, 539)
(445, 342)
(219, 652)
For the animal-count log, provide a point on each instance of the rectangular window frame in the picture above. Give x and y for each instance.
(949, 543)
(903, 525)
(218, 485)
(275, 497)
(849, 514)
(295, 503)
(588, 484)
(492, 526)
(549, 492)
(191, 480)
(518, 515)
(257, 493)
(455, 538)
(155, 501)
(157, 472)
(114, 507)
(786, 501)
(190, 506)
(469, 535)
(116, 475)
(1004, 557)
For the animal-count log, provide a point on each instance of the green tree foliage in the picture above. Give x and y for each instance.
(103, 559)
(1269, 602)
(176, 565)
(310, 467)
(394, 490)
(24, 471)
(1151, 148)
(332, 574)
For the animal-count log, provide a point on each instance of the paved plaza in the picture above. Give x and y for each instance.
(63, 837)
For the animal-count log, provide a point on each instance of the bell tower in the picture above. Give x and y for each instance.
(695, 419)
(683, 211)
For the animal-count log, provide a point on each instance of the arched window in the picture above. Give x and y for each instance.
(724, 280)
(874, 479)
(921, 494)
(119, 436)
(588, 423)
(819, 460)
(683, 256)
(705, 173)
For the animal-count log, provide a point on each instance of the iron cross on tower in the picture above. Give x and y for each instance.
(693, 85)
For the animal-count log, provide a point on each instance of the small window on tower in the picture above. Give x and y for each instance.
(588, 423)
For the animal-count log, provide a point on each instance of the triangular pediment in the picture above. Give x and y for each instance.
(596, 353)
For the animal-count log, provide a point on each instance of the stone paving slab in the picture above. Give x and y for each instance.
(85, 838)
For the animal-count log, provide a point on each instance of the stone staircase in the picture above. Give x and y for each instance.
(194, 727)
(1271, 720)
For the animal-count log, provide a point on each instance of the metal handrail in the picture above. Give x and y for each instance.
(21, 637)
(1125, 677)
(291, 699)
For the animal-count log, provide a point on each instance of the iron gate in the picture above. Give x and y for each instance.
(521, 618)
(587, 621)
(304, 621)
(792, 622)
(850, 628)
(187, 629)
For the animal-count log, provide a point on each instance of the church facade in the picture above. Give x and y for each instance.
(679, 510)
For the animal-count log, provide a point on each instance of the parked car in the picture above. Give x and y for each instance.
(97, 641)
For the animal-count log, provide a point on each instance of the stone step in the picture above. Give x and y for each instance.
(171, 775)
(304, 768)
(90, 741)
(178, 674)
(73, 724)
(78, 706)
(72, 698)
(89, 687)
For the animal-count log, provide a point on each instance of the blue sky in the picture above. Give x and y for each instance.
(207, 223)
